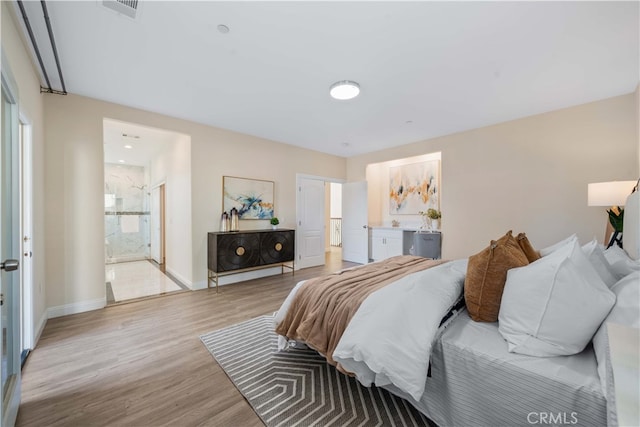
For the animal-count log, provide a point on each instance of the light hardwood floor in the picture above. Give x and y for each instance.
(142, 364)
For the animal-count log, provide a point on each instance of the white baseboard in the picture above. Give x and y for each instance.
(249, 275)
(241, 277)
(39, 328)
(76, 307)
(182, 279)
(199, 285)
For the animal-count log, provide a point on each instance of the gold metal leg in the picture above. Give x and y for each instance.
(212, 277)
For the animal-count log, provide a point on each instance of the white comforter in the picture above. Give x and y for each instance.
(389, 339)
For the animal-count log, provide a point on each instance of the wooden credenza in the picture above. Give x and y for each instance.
(237, 251)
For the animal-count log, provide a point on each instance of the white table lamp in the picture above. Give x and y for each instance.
(614, 195)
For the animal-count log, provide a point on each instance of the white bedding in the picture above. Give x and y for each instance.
(389, 339)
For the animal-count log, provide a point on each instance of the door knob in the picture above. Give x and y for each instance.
(10, 265)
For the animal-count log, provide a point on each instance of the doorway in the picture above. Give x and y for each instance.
(26, 232)
(320, 220)
(140, 178)
(335, 220)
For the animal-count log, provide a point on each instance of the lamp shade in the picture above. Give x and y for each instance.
(613, 193)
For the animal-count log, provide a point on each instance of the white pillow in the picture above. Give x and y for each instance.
(552, 307)
(621, 264)
(546, 251)
(626, 311)
(595, 254)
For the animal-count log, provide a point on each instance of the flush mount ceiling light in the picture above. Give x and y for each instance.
(128, 146)
(345, 89)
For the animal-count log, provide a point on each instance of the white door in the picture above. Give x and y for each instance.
(156, 229)
(9, 258)
(311, 222)
(355, 236)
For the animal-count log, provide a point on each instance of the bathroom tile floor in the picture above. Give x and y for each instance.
(137, 279)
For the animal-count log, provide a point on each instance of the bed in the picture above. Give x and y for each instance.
(410, 337)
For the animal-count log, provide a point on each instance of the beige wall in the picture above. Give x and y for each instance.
(173, 168)
(31, 106)
(74, 186)
(528, 175)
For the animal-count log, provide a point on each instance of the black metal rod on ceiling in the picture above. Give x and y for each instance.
(53, 44)
(35, 45)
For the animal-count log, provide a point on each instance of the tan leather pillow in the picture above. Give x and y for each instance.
(487, 274)
(527, 248)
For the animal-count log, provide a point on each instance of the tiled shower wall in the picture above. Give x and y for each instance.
(126, 216)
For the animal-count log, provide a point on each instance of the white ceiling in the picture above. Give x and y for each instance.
(132, 144)
(426, 69)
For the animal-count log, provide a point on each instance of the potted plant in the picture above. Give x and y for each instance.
(434, 213)
(432, 218)
(274, 222)
(435, 216)
(616, 218)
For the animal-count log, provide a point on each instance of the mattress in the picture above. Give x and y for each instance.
(476, 381)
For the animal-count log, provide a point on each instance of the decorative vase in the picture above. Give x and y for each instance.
(274, 227)
(234, 226)
(435, 224)
(426, 223)
(224, 222)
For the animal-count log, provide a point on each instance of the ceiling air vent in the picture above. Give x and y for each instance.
(125, 7)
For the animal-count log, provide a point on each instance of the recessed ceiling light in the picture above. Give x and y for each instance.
(128, 146)
(120, 161)
(223, 29)
(345, 89)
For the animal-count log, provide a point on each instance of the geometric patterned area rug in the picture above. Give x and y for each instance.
(298, 387)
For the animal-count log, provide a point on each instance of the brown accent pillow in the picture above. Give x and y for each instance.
(487, 274)
(527, 248)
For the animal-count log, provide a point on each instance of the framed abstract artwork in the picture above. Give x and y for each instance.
(253, 198)
(414, 187)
